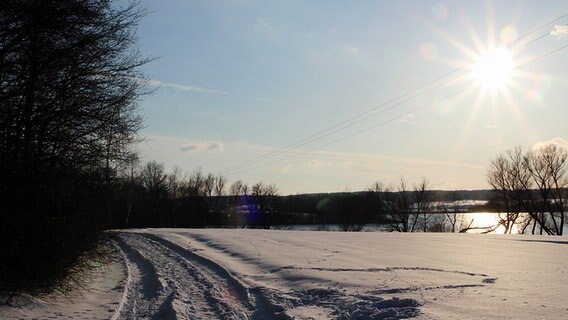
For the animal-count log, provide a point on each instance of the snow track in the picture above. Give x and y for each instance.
(186, 285)
(168, 281)
(262, 274)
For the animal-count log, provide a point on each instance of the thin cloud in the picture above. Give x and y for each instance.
(560, 30)
(201, 145)
(408, 118)
(215, 146)
(181, 87)
(189, 147)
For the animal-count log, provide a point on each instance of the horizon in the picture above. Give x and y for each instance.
(239, 82)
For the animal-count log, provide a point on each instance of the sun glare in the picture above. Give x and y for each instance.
(492, 70)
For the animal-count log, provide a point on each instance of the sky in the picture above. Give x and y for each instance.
(331, 96)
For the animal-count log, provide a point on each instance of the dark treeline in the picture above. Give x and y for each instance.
(69, 86)
(148, 196)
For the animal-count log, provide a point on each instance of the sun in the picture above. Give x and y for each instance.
(492, 69)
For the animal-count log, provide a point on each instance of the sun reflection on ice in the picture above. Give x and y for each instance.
(488, 222)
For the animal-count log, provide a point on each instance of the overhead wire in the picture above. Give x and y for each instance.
(375, 111)
(462, 91)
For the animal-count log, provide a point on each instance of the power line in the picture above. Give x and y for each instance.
(389, 120)
(346, 123)
(414, 93)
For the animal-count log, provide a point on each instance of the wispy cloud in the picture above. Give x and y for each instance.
(189, 147)
(408, 118)
(182, 87)
(201, 146)
(215, 146)
(560, 30)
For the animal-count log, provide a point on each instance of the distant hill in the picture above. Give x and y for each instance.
(436, 195)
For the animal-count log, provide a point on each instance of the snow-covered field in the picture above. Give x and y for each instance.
(260, 274)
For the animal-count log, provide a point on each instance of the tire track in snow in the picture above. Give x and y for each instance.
(254, 298)
(142, 285)
(338, 304)
(189, 292)
(386, 269)
(191, 286)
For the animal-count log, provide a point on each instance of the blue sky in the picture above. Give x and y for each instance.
(237, 80)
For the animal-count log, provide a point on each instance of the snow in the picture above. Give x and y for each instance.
(276, 274)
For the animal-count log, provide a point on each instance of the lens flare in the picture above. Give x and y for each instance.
(540, 87)
(428, 51)
(508, 34)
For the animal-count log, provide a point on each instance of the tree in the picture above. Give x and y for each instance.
(535, 183)
(394, 205)
(69, 86)
(239, 195)
(238, 189)
(422, 205)
(403, 209)
(509, 177)
(154, 180)
(214, 189)
(265, 199)
(548, 167)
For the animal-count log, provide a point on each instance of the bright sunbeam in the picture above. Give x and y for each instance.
(492, 69)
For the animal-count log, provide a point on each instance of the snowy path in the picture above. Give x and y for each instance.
(186, 286)
(261, 274)
(168, 281)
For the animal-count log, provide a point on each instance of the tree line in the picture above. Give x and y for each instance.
(70, 82)
(148, 196)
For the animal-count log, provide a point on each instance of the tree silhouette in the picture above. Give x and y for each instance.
(69, 83)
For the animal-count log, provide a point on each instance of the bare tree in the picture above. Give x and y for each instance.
(132, 178)
(384, 202)
(510, 178)
(215, 190)
(239, 206)
(238, 188)
(154, 179)
(452, 217)
(515, 175)
(403, 209)
(194, 185)
(265, 197)
(422, 205)
(69, 86)
(548, 167)
(174, 183)
(395, 206)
